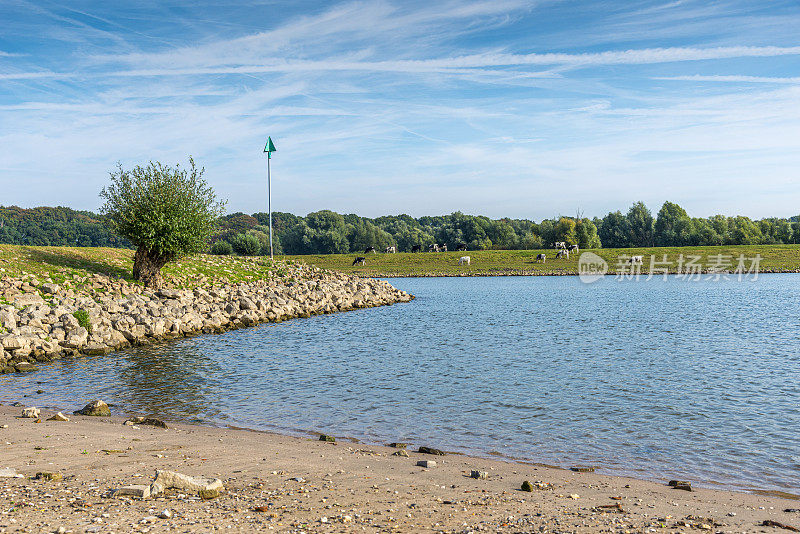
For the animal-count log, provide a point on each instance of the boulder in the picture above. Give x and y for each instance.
(179, 481)
(96, 408)
(50, 289)
(25, 367)
(59, 417)
(32, 412)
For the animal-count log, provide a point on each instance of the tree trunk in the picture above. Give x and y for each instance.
(147, 267)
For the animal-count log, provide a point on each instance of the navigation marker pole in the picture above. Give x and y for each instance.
(269, 149)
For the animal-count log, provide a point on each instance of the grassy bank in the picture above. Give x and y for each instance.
(77, 264)
(774, 258)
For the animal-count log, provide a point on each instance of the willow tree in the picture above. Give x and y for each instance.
(166, 212)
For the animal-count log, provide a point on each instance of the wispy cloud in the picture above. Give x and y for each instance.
(400, 107)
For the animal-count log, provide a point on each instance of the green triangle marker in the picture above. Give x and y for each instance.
(270, 147)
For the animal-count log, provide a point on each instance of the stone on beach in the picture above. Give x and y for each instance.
(147, 421)
(401, 452)
(8, 472)
(426, 463)
(32, 412)
(171, 479)
(329, 439)
(431, 450)
(59, 417)
(680, 484)
(481, 475)
(47, 475)
(139, 491)
(96, 408)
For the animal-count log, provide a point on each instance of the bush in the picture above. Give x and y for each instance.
(83, 319)
(166, 212)
(246, 245)
(222, 248)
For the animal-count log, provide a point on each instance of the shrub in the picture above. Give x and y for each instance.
(166, 212)
(222, 248)
(246, 245)
(83, 319)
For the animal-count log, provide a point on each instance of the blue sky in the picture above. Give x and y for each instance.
(503, 108)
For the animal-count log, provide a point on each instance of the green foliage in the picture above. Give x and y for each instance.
(221, 248)
(246, 245)
(169, 211)
(57, 226)
(83, 319)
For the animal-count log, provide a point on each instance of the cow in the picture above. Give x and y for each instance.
(361, 260)
(635, 259)
(462, 247)
(560, 245)
(370, 249)
(463, 260)
(443, 248)
(562, 254)
(390, 250)
(541, 257)
(573, 248)
(433, 248)
(416, 248)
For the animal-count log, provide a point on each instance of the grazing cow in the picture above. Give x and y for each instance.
(433, 248)
(416, 248)
(560, 245)
(573, 248)
(463, 260)
(361, 260)
(390, 250)
(370, 249)
(462, 247)
(635, 259)
(562, 254)
(541, 257)
(443, 248)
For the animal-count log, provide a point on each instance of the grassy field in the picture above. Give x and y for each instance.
(774, 258)
(76, 264)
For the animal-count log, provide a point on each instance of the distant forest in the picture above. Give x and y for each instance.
(327, 232)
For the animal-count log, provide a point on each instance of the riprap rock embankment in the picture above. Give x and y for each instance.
(44, 321)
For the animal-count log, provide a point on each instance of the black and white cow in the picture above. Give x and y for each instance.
(361, 260)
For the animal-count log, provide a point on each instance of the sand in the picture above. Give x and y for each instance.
(289, 484)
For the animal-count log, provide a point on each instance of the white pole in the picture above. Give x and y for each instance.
(269, 204)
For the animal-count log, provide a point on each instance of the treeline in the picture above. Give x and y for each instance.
(58, 226)
(327, 232)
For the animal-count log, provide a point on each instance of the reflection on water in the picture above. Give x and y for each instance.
(656, 379)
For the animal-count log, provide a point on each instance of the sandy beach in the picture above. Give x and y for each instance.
(289, 484)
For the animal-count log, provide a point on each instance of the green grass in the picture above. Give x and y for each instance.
(73, 267)
(774, 258)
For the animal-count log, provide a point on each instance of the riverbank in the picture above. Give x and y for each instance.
(658, 260)
(62, 303)
(286, 484)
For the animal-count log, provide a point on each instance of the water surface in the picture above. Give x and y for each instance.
(657, 379)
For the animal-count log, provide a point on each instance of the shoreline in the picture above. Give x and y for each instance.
(291, 484)
(58, 317)
(305, 434)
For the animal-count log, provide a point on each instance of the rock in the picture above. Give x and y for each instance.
(526, 486)
(680, 484)
(95, 408)
(329, 439)
(12, 342)
(171, 479)
(207, 494)
(401, 452)
(31, 413)
(398, 445)
(148, 421)
(25, 367)
(26, 299)
(8, 472)
(426, 463)
(139, 491)
(50, 289)
(481, 475)
(582, 469)
(47, 475)
(771, 523)
(165, 514)
(59, 417)
(430, 450)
